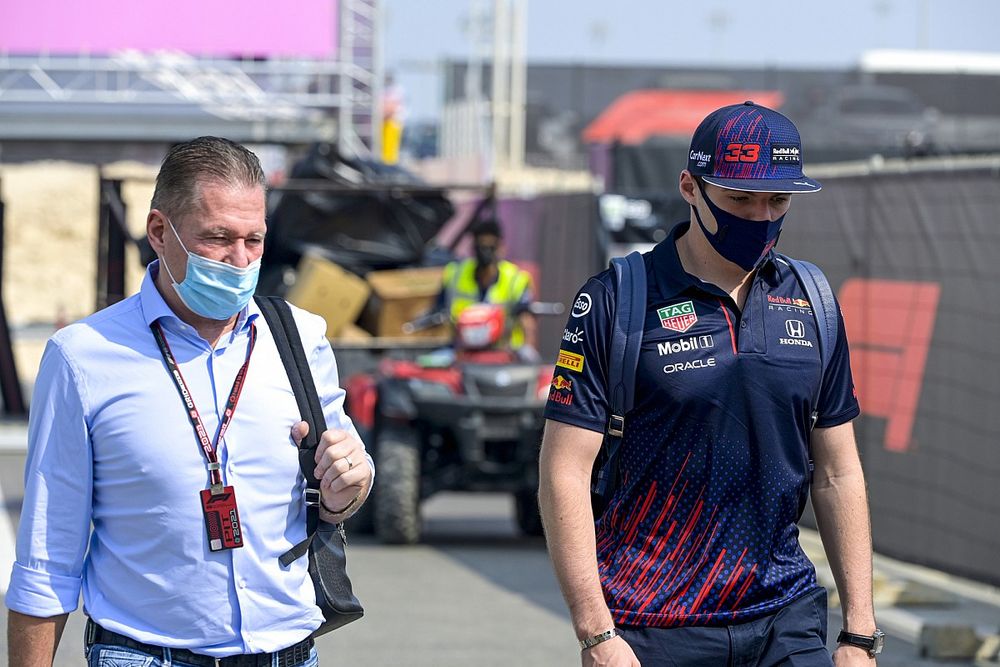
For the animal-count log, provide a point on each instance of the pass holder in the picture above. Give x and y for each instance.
(222, 518)
(218, 502)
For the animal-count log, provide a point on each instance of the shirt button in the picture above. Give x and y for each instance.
(743, 325)
(243, 583)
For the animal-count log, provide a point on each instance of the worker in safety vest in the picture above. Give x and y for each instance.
(487, 278)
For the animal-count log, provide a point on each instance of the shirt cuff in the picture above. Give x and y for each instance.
(371, 483)
(576, 420)
(42, 594)
(827, 421)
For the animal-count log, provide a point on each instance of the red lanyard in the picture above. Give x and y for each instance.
(199, 428)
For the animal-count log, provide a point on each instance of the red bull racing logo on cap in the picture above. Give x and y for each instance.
(785, 154)
(678, 317)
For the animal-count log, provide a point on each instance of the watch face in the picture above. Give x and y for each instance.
(878, 641)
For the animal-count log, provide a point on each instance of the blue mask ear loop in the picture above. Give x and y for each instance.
(163, 260)
(720, 233)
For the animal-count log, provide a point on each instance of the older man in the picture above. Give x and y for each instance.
(112, 445)
(695, 560)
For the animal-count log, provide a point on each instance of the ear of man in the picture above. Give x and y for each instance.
(156, 229)
(688, 187)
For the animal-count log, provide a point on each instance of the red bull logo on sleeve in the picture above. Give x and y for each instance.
(562, 391)
(562, 383)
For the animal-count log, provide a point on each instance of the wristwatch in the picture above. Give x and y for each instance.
(871, 643)
(597, 639)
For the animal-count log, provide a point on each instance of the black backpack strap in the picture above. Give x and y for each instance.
(623, 359)
(824, 307)
(281, 322)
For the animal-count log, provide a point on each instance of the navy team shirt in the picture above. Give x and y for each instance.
(715, 464)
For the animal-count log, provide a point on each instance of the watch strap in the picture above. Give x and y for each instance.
(871, 643)
(590, 642)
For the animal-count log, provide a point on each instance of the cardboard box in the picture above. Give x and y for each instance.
(400, 296)
(324, 288)
(351, 333)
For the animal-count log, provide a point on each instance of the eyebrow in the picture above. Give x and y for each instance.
(228, 233)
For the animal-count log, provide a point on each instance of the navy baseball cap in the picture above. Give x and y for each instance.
(749, 147)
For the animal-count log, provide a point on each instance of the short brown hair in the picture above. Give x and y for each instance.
(193, 163)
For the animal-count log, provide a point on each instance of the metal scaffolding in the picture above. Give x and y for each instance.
(168, 95)
(360, 108)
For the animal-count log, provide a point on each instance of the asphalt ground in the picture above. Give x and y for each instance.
(474, 593)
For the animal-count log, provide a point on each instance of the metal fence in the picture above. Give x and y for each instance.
(911, 250)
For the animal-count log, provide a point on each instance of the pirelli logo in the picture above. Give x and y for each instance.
(570, 360)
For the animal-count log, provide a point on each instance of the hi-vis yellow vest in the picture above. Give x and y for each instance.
(463, 291)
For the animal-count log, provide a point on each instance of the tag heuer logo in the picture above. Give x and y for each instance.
(678, 317)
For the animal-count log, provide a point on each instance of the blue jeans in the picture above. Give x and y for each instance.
(106, 655)
(795, 636)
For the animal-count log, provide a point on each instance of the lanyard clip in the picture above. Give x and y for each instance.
(218, 489)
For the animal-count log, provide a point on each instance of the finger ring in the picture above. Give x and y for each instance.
(350, 464)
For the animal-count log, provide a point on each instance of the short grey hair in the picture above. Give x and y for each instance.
(194, 163)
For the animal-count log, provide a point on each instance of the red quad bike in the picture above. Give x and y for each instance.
(462, 419)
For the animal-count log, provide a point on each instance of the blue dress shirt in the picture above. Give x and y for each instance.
(110, 446)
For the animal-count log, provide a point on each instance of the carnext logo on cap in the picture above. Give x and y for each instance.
(702, 158)
(784, 154)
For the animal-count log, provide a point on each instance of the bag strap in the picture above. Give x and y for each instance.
(824, 307)
(623, 359)
(286, 336)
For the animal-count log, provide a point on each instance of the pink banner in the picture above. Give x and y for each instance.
(226, 28)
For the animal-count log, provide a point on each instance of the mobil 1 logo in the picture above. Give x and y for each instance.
(685, 344)
(681, 345)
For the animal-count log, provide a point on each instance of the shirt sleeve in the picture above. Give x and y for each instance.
(324, 369)
(838, 401)
(578, 394)
(54, 529)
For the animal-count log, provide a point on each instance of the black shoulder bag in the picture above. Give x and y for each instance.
(325, 542)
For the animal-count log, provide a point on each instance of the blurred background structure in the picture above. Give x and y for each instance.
(386, 127)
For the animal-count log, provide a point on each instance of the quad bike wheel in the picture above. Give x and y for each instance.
(397, 505)
(362, 522)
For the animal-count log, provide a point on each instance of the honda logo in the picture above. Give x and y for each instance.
(795, 328)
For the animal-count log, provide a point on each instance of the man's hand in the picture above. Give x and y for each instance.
(852, 656)
(341, 467)
(612, 653)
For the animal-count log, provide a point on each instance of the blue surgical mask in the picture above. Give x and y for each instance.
(741, 241)
(214, 290)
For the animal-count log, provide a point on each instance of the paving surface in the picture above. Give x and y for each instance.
(475, 593)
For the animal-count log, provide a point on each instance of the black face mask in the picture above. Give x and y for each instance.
(486, 254)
